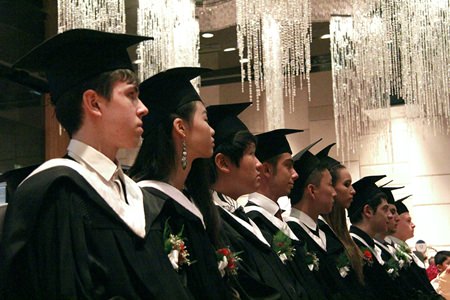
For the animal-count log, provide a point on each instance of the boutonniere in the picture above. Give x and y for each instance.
(367, 256)
(392, 267)
(402, 253)
(175, 247)
(343, 265)
(227, 261)
(282, 245)
(311, 259)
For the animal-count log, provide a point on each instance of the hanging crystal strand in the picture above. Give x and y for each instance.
(176, 32)
(294, 19)
(104, 15)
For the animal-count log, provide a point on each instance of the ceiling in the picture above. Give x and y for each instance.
(23, 24)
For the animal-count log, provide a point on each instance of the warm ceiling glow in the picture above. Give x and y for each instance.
(207, 35)
(229, 49)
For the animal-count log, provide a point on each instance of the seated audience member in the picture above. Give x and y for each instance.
(432, 270)
(442, 282)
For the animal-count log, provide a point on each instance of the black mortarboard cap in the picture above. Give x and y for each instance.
(304, 164)
(165, 92)
(401, 207)
(223, 119)
(71, 57)
(14, 177)
(365, 189)
(326, 159)
(273, 143)
(388, 191)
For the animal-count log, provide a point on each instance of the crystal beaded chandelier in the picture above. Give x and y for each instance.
(274, 37)
(175, 29)
(389, 48)
(104, 15)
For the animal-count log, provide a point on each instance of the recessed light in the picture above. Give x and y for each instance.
(229, 49)
(243, 61)
(138, 61)
(325, 36)
(207, 35)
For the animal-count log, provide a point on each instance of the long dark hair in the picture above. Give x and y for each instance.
(338, 222)
(157, 159)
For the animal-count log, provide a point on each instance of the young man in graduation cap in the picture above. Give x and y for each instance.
(369, 215)
(278, 177)
(313, 195)
(77, 226)
(416, 273)
(236, 171)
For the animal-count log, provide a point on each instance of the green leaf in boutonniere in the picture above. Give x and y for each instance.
(343, 264)
(282, 245)
(403, 254)
(392, 267)
(175, 247)
(312, 261)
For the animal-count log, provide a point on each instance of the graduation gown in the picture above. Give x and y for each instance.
(310, 281)
(62, 240)
(376, 277)
(259, 261)
(202, 276)
(416, 276)
(336, 285)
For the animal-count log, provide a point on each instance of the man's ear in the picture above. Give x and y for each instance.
(222, 163)
(267, 169)
(367, 211)
(92, 103)
(310, 189)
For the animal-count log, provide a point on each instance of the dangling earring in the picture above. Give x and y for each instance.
(184, 156)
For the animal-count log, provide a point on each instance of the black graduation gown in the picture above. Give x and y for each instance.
(203, 277)
(258, 259)
(310, 281)
(353, 288)
(328, 271)
(416, 279)
(62, 240)
(376, 277)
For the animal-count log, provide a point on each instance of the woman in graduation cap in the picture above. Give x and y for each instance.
(177, 137)
(336, 219)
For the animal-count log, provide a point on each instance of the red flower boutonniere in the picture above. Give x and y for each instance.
(175, 247)
(367, 256)
(227, 261)
(282, 245)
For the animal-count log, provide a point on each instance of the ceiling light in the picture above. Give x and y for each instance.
(229, 49)
(138, 61)
(325, 36)
(207, 35)
(243, 61)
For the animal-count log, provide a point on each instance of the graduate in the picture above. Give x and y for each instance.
(171, 165)
(334, 224)
(278, 177)
(415, 273)
(313, 194)
(235, 171)
(77, 227)
(369, 215)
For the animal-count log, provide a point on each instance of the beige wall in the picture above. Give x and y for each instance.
(416, 158)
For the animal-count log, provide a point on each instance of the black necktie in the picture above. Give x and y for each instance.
(240, 213)
(316, 231)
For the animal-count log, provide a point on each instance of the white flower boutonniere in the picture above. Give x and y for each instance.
(343, 265)
(312, 261)
(175, 248)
